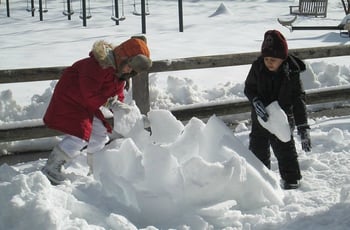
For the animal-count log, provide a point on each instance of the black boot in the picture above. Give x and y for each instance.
(286, 185)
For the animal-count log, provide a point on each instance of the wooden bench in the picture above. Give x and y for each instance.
(310, 8)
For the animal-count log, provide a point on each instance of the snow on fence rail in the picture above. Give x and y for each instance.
(141, 90)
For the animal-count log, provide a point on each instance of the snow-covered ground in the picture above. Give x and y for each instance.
(194, 176)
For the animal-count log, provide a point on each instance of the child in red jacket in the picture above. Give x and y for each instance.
(83, 88)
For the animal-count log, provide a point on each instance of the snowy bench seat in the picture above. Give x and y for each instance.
(310, 8)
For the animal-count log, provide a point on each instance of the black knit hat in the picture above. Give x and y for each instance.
(274, 45)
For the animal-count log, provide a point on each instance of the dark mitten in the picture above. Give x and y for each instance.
(260, 109)
(303, 132)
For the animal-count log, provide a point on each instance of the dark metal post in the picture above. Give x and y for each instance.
(41, 9)
(32, 7)
(181, 25)
(143, 16)
(84, 12)
(69, 10)
(116, 11)
(8, 7)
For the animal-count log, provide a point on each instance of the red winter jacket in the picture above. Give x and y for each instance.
(82, 89)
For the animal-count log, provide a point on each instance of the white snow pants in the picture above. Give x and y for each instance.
(72, 145)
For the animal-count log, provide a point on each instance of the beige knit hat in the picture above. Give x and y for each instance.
(140, 63)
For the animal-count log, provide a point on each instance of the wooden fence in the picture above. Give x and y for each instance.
(141, 89)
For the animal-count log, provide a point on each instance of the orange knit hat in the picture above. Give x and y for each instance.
(130, 48)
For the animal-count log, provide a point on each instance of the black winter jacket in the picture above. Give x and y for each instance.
(283, 86)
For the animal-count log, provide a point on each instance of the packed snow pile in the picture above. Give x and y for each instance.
(194, 175)
(183, 173)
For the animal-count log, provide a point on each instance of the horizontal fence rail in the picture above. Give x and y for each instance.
(54, 73)
(221, 109)
(200, 111)
(243, 106)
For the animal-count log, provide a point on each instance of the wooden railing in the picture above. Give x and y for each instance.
(141, 90)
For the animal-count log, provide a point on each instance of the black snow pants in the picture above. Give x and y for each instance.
(285, 152)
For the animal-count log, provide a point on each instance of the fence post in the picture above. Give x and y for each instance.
(140, 92)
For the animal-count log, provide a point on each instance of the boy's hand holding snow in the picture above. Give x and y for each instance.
(260, 109)
(303, 132)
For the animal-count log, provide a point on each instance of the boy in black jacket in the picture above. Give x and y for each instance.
(275, 76)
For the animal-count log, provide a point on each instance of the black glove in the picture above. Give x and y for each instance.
(303, 132)
(260, 109)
